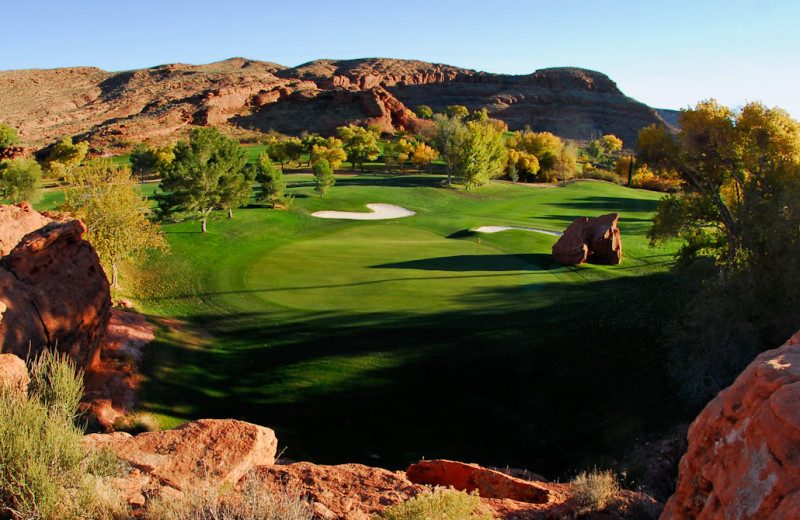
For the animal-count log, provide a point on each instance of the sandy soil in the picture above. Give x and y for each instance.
(379, 212)
(497, 229)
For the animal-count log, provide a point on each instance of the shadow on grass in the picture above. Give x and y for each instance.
(607, 204)
(562, 378)
(488, 263)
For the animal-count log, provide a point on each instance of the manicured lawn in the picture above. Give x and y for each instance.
(384, 342)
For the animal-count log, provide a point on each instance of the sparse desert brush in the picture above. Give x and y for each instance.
(437, 504)
(594, 490)
(254, 499)
(45, 473)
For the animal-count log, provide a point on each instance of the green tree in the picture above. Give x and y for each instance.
(270, 179)
(21, 179)
(448, 139)
(323, 176)
(8, 138)
(360, 144)
(459, 112)
(205, 175)
(423, 111)
(740, 211)
(65, 156)
(482, 155)
(106, 199)
(331, 150)
(145, 159)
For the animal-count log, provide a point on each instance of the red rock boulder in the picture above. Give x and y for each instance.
(595, 240)
(743, 459)
(13, 373)
(203, 454)
(16, 221)
(55, 293)
(488, 483)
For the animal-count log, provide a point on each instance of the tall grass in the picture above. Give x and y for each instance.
(45, 473)
(439, 503)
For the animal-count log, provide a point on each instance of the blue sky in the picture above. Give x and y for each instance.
(668, 54)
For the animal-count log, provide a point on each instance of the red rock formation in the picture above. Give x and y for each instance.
(743, 459)
(16, 221)
(55, 293)
(104, 107)
(13, 373)
(488, 483)
(201, 454)
(595, 240)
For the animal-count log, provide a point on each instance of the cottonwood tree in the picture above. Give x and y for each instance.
(331, 149)
(360, 144)
(448, 139)
(423, 111)
(205, 175)
(741, 210)
(21, 179)
(323, 176)
(106, 199)
(8, 138)
(65, 156)
(482, 154)
(423, 155)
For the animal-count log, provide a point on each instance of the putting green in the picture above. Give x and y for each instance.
(387, 268)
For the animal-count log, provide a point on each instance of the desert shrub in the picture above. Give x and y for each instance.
(594, 490)
(255, 499)
(45, 473)
(600, 174)
(437, 504)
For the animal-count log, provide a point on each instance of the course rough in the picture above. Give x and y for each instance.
(379, 212)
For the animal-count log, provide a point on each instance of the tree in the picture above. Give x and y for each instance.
(203, 176)
(740, 210)
(523, 161)
(482, 155)
(145, 159)
(360, 144)
(611, 143)
(423, 155)
(21, 179)
(457, 111)
(8, 138)
(448, 139)
(331, 150)
(323, 176)
(423, 111)
(106, 199)
(309, 141)
(397, 152)
(65, 156)
(271, 180)
(595, 150)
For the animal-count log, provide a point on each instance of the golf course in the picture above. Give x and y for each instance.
(388, 341)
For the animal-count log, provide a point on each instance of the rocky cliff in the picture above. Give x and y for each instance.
(118, 107)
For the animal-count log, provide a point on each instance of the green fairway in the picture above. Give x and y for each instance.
(384, 342)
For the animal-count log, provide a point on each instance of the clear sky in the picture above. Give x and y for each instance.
(668, 54)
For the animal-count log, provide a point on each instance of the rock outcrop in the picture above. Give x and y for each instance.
(743, 459)
(114, 107)
(53, 292)
(201, 454)
(595, 240)
(13, 373)
(16, 221)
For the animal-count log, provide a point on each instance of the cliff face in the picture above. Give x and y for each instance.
(105, 107)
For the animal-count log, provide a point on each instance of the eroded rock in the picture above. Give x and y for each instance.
(595, 240)
(743, 459)
(13, 373)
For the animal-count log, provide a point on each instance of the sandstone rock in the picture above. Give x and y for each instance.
(488, 483)
(16, 221)
(55, 293)
(743, 459)
(200, 454)
(13, 373)
(595, 240)
(347, 491)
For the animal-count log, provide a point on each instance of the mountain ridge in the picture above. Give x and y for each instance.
(153, 103)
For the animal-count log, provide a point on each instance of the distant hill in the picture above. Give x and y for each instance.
(155, 103)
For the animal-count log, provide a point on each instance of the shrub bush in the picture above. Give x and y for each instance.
(439, 503)
(45, 473)
(255, 499)
(594, 490)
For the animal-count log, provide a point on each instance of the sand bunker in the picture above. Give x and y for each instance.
(496, 229)
(379, 212)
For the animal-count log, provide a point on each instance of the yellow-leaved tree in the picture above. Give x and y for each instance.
(107, 200)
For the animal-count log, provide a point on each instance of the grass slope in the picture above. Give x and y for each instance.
(388, 341)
